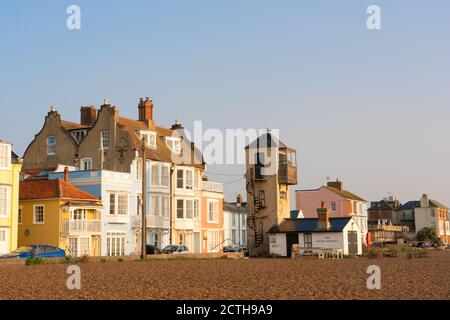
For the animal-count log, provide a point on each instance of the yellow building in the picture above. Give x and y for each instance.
(10, 167)
(56, 213)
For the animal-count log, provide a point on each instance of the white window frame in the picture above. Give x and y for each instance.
(174, 144)
(34, 214)
(156, 169)
(86, 161)
(116, 235)
(6, 157)
(106, 143)
(51, 146)
(151, 138)
(195, 208)
(186, 186)
(209, 202)
(7, 190)
(117, 195)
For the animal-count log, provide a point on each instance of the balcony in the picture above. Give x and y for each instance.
(212, 186)
(187, 224)
(158, 222)
(81, 226)
(117, 219)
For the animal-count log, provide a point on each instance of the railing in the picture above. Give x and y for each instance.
(152, 222)
(89, 226)
(187, 224)
(212, 186)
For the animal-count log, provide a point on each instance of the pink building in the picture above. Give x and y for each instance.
(342, 203)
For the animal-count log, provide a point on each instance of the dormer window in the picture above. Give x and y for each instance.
(174, 144)
(150, 137)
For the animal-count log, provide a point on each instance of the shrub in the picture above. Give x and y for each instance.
(224, 257)
(84, 259)
(272, 255)
(103, 260)
(33, 261)
(69, 259)
(120, 260)
(373, 253)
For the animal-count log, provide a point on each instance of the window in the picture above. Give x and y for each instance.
(196, 180)
(19, 216)
(307, 237)
(138, 204)
(79, 214)
(4, 201)
(139, 169)
(118, 203)
(2, 235)
(180, 179)
(189, 179)
(262, 199)
(180, 209)
(333, 206)
(5, 156)
(189, 209)
(233, 219)
(244, 237)
(154, 205)
(105, 139)
(150, 138)
(78, 135)
(259, 165)
(86, 164)
(213, 211)
(38, 217)
(165, 176)
(213, 241)
(283, 195)
(155, 175)
(166, 206)
(115, 244)
(51, 145)
(174, 144)
(243, 220)
(196, 209)
(233, 236)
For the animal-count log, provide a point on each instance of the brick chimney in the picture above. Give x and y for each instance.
(323, 223)
(177, 125)
(88, 115)
(66, 174)
(336, 184)
(146, 110)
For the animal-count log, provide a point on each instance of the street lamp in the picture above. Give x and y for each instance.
(238, 204)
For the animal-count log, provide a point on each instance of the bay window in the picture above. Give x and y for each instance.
(5, 156)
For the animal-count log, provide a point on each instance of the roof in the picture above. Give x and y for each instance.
(72, 125)
(232, 207)
(437, 204)
(266, 140)
(345, 194)
(309, 225)
(51, 189)
(410, 205)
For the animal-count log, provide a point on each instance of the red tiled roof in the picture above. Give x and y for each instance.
(51, 189)
(72, 125)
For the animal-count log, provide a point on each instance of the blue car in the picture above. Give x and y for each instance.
(40, 251)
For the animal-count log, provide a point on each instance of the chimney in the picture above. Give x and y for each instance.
(424, 201)
(146, 110)
(88, 116)
(323, 223)
(66, 174)
(177, 125)
(336, 184)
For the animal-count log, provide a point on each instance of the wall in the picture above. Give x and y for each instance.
(278, 244)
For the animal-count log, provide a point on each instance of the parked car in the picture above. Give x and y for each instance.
(153, 249)
(175, 249)
(230, 249)
(423, 244)
(37, 251)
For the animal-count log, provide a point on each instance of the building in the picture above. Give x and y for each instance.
(271, 168)
(10, 167)
(323, 232)
(341, 202)
(56, 213)
(235, 223)
(406, 215)
(383, 221)
(434, 215)
(108, 144)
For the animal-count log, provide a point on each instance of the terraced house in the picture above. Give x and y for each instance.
(10, 167)
(107, 144)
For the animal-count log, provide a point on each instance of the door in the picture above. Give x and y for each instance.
(197, 242)
(352, 242)
(291, 238)
(4, 241)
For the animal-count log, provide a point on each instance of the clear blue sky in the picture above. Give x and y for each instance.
(369, 107)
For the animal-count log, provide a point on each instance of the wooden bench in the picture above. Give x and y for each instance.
(419, 254)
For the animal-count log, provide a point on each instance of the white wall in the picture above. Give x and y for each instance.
(277, 244)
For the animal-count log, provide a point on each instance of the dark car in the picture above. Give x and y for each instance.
(175, 249)
(38, 251)
(230, 249)
(153, 249)
(423, 244)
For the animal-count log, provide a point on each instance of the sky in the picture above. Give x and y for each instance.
(369, 107)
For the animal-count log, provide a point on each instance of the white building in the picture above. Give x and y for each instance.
(235, 219)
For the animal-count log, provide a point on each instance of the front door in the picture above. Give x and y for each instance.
(197, 242)
(352, 242)
(291, 238)
(4, 241)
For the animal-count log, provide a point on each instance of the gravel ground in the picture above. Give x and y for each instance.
(246, 279)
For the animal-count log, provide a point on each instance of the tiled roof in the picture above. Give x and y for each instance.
(232, 207)
(437, 204)
(309, 225)
(51, 189)
(410, 205)
(345, 194)
(72, 125)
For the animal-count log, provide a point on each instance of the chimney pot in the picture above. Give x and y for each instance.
(145, 110)
(66, 174)
(88, 115)
(323, 213)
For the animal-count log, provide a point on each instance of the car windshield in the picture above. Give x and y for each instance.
(23, 250)
(171, 248)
